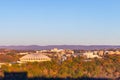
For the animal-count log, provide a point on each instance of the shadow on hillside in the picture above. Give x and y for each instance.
(15, 76)
(23, 76)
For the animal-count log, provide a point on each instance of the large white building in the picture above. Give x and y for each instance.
(91, 55)
(36, 57)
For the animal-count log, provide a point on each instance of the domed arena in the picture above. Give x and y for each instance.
(35, 58)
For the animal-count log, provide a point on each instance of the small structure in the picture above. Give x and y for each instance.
(35, 58)
(24, 53)
(101, 53)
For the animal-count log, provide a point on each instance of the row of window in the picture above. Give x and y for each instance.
(35, 59)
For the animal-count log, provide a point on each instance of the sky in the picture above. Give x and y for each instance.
(59, 22)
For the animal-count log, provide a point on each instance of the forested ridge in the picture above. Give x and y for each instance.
(107, 67)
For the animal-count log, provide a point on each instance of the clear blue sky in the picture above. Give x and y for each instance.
(52, 22)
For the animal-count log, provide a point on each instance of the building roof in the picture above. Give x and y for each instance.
(34, 56)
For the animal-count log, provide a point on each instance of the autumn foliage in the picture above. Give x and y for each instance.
(108, 67)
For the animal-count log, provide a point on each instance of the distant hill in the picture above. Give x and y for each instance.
(36, 47)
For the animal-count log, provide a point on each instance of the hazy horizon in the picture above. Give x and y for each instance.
(59, 22)
(59, 45)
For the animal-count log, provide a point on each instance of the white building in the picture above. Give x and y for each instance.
(91, 55)
(35, 58)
